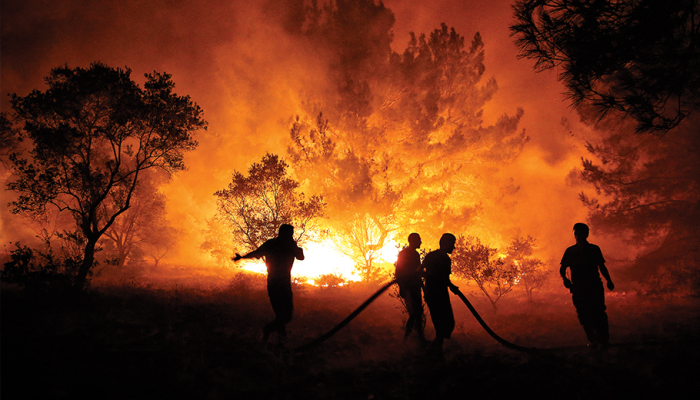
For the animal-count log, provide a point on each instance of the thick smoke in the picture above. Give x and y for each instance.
(247, 66)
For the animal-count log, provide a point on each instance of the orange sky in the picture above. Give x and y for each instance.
(235, 61)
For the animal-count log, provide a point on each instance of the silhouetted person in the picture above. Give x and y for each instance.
(279, 254)
(438, 267)
(586, 287)
(409, 274)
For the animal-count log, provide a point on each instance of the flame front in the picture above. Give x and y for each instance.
(322, 258)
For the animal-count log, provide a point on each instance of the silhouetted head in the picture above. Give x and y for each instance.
(581, 231)
(414, 240)
(447, 242)
(286, 231)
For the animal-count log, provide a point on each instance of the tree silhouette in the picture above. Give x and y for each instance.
(217, 240)
(636, 59)
(143, 226)
(402, 134)
(159, 240)
(9, 137)
(647, 190)
(94, 131)
(532, 273)
(639, 58)
(478, 262)
(362, 238)
(256, 205)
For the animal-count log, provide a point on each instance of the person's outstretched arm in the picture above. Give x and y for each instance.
(257, 253)
(300, 254)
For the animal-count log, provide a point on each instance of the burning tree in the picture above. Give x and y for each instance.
(94, 132)
(362, 239)
(532, 273)
(478, 262)
(255, 206)
(402, 135)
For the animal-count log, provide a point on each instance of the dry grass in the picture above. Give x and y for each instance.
(165, 340)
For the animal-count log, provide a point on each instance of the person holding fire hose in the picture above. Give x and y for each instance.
(587, 292)
(279, 254)
(409, 276)
(438, 267)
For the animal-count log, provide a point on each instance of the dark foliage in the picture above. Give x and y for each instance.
(639, 58)
(36, 270)
(254, 206)
(93, 132)
(648, 191)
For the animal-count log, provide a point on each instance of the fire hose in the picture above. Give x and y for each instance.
(486, 327)
(347, 320)
(364, 305)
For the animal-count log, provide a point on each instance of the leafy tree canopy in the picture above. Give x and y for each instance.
(94, 131)
(254, 206)
(481, 263)
(402, 135)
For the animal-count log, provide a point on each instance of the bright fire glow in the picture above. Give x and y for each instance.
(322, 259)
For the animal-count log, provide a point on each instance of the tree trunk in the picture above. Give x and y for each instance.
(88, 260)
(122, 259)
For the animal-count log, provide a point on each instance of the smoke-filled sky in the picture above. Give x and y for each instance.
(236, 61)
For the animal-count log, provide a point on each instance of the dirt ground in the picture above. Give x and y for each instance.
(134, 341)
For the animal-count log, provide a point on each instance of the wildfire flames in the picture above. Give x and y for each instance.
(392, 117)
(322, 258)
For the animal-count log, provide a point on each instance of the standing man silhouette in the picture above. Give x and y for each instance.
(587, 292)
(279, 254)
(409, 277)
(438, 267)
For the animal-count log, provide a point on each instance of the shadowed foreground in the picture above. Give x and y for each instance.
(129, 342)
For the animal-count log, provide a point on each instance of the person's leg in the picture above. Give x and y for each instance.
(418, 314)
(582, 303)
(409, 299)
(285, 310)
(282, 303)
(443, 321)
(600, 319)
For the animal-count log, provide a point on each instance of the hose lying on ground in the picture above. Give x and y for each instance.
(486, 327)
(347, 320)
(364, 305)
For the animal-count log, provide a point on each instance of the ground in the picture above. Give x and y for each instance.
(134, 341)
